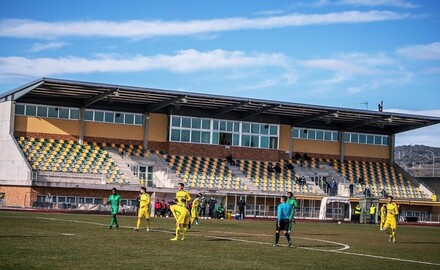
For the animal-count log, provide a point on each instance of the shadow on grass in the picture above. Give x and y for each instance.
(219, 240)
(419, 243)
(321, 234)
(31, 236)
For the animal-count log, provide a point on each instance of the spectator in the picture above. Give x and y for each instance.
(372, 214)
(230, 160)
(241, 207)
(384, 193)
(367, 192)
(212, 202)
(277, 168)
(297, 156)
(333, 188)
(163, 208)
(290, 167)
(202, 206)
(157, 207)
(357, 214)
(351, 187)
(220, 211)
(361, 180)
(306, 157)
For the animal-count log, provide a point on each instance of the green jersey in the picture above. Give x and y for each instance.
(114, 200)
(294, 205)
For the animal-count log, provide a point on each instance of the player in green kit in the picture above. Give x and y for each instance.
(292, 202)
(114, 200)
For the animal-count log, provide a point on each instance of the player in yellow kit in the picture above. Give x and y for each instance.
(390, 222)
(383, 216)
(182, 196)
(182, 216)
(144, 209)
(195, 210)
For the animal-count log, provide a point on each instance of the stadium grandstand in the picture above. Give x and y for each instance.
(65, 144)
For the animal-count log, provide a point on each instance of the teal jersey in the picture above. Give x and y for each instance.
(294, 204)
(114, 201)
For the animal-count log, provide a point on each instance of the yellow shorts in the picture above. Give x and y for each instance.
(143, 212)
(390, 223)
(181, 214)
(194, 213)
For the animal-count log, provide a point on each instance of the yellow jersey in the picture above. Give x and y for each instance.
(383, 212)
(392, 210)
(182, 195)
(195, 203)
(144, 200)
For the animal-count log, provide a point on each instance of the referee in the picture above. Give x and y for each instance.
(284, 210)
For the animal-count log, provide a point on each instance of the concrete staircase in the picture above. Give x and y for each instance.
(246, 181)
(123, 166)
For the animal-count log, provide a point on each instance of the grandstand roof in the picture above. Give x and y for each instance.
(69, 93)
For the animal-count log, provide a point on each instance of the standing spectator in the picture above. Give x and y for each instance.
(220, 211)
(357, 214)
(212, 202)
(351, 187)
(361, 181)
(283, 213)
(163, 208)
(367, 192)
(241, 207)
(157, 207)
(333, 188)
(277, 168)
(202, 206)
(372, 214)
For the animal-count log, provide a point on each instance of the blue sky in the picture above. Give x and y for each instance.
(345, 53)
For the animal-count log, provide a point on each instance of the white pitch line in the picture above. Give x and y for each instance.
(266, 243)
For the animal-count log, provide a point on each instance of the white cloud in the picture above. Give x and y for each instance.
(426, 136)
(38, 47)
(421, 52)
(149, 29)
(374, 3)
(337, 65)
(183, 61)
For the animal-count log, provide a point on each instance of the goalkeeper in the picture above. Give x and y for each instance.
(114, 200)
(294, 204)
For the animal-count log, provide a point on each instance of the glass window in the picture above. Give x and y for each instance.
(385, 140)
(98, 201)
(31, 110)
(236, 139)
(119, 118)
(273, 130)
(74, 114)
(378, 140)
(229, 125)
(255, 128)
(196, 123)
(346, 137)
(215, 138)
(195, 136)
(236, 126)
(273, 143)
(215, 124)
(99, 116)
(362, 138)
(206, 124)
(185, 136)
(19, 109)
(311, 134)
(175, 135)
(295, 133)
(42, 111)
(335, 136)
(264, 129)
(223, 125)
(64, 113)
(370, 139)
(53, 112)
(61, 199)
(354, 137)
(303, 133)
(175, 121)
(138, 119)
(320, 135)
(109, 117)
(264, 142)
(186, 122)
(245, 128)
(205, 137)
(129, 118)
(255, 141)
(245, 140)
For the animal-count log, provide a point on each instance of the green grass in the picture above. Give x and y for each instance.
(39, 241)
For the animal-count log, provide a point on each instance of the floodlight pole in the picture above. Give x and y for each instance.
(433, 160)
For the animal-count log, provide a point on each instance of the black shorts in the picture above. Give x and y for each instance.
(284, 225)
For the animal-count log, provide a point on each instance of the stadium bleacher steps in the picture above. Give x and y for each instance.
(120, 162)
(163, 175)
(246, 181)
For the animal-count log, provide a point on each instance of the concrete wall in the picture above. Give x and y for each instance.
(14, 168)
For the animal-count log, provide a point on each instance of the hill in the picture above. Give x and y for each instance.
(418, 159)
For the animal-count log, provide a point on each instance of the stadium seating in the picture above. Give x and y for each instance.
(68, 156)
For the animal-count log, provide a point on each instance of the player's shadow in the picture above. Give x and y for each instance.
(30, 236)
(419, 243)
(220, 240)
(321, 234)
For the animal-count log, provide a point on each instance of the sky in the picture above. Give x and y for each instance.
(342, 53)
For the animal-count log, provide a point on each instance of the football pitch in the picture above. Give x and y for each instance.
(75, 241)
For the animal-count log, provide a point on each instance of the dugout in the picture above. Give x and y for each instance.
(365, 204)
(335, 208)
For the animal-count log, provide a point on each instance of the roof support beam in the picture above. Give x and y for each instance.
(260, 110)
(229, 108)
(96, 98)
(157, 106)
(365, 122)
(309, 118)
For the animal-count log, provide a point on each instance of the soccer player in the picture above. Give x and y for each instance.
(114, 200)
(182, 196)
(383, 216)
(182, 216)
(194, 210)
(390, 222)
(284, 210)
(144, 209)
(294, 204)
